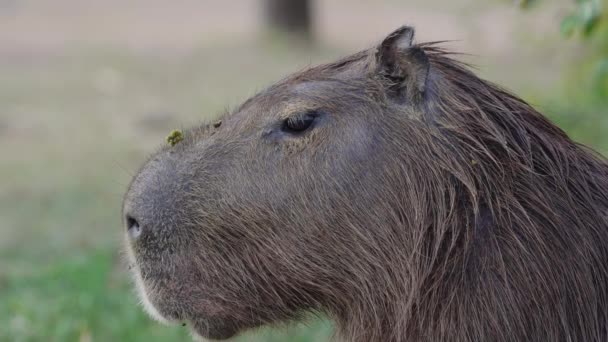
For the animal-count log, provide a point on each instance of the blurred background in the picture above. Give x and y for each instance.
(89, 88)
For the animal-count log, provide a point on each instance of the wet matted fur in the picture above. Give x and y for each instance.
(393, 191)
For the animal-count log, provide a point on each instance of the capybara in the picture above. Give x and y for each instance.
(392, 191)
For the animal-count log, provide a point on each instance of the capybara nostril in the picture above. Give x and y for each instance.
(133, 227)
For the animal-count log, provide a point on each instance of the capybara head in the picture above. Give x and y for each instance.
(392, 191)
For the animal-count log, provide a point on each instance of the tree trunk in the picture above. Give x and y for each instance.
(289, 16)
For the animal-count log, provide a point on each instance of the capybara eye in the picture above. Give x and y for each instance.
(299, 123)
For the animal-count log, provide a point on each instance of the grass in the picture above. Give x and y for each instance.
(74, 128)
(87, 296)
(72, 300)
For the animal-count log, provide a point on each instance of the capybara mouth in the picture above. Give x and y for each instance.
(155, 305)
(152, 300)
(207, 328)
(152, 303)
(213, 329)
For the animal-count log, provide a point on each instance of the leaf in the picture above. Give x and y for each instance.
(589, 27)
(589, 12)
(569, 25)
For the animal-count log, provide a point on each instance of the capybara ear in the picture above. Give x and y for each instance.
(405, 65)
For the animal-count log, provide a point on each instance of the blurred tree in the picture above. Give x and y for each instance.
(289, 16)
(585, 16)
(589, 19)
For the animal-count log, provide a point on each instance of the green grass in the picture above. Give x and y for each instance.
(88, 296)
(73, 299)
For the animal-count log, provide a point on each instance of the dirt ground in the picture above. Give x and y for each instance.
(88, 88)
(497, 31)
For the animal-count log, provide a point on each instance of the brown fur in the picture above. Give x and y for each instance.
(425, 204)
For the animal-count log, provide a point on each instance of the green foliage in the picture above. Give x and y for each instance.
(587, 19)
(584, 18)
(590, 20)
